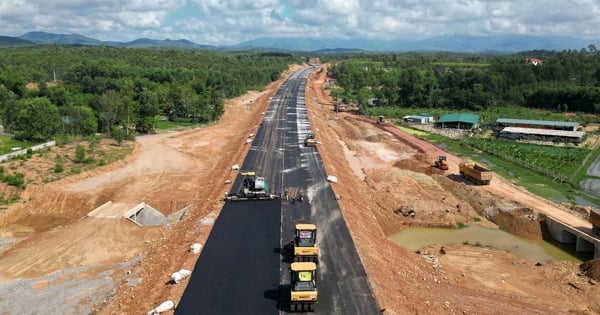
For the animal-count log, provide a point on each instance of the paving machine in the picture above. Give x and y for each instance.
(303, 287)
(305, 247)
(253, 188)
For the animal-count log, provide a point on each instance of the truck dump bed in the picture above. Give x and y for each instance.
(479, 174)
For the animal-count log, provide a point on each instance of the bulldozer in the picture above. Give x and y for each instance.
(442, 163)
(303, 287)
(310, 141)
(253, 187)
(305, 247)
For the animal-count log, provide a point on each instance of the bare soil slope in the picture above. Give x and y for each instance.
(380, 170)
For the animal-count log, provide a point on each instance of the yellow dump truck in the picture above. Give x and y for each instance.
(476, 173)
(303, 287)
(595, 220)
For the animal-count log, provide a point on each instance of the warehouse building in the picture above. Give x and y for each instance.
(541, 130)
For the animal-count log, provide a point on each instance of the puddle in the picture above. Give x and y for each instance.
(536, 250)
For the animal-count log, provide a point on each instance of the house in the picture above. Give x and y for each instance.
(419, 119)
(373, 102)
(534, 61)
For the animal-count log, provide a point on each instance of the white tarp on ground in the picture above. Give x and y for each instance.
(163, 307)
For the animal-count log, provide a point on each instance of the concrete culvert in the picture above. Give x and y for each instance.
(145, 215)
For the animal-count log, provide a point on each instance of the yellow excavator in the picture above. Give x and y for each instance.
(303, 288)
(305, 245)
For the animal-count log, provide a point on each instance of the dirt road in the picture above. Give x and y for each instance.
(124, 268)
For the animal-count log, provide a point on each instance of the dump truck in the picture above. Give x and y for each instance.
(303, 287)
(310, 141)
(253, 187)
(595, 220)
(442, 163)
(304, 245)
(476, 173)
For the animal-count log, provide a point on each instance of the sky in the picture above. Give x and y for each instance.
(222, 22)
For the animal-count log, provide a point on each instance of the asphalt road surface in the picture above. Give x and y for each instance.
(240, 270)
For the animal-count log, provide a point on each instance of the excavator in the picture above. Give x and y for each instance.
(303, 288)
(253, 188)
(305, 247)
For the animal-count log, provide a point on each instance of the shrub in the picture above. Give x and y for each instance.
(59, 168)
(79, 154)
(17, 180)
(461, 225)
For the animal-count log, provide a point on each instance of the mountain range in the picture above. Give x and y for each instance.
(450, 43)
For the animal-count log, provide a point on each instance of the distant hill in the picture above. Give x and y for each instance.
(14, 41)
(453, 43)
(63, 39)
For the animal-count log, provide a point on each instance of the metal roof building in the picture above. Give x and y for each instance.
(545, 124)
(459, 121)
(566, 134)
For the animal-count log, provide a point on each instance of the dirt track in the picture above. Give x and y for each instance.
(377, 173)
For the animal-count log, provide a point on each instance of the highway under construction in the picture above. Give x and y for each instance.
(242, 269)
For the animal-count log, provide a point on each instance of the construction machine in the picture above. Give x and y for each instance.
(305, 247)
(441, 163)
(252, 188)
(475, 172)
(303, 287)
(310, 140)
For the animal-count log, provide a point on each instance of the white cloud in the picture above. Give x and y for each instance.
(232, 21)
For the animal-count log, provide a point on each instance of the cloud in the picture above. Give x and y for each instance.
(233, 21)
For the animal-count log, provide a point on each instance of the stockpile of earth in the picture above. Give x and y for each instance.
(591, 268)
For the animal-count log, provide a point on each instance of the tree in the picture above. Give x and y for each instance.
(37, 119)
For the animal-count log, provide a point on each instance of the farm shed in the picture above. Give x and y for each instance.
(518, 133)
(539, 124)
(419, 119)
(458, 121)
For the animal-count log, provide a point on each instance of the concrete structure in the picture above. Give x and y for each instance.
(140, 214)
(584, 241)
(19, 151)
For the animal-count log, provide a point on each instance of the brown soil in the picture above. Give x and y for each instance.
(380, 171)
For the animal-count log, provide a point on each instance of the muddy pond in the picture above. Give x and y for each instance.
(476, 235)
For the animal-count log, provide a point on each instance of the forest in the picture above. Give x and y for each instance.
(563, 81)
(56, 90)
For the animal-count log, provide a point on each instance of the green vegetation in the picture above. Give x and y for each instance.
(559, 163)
(119, 91)
(7, 143)
(461, 225)
(567, 81)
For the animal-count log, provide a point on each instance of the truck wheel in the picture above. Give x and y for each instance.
(311, 307)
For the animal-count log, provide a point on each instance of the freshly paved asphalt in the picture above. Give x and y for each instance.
(240, 270)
